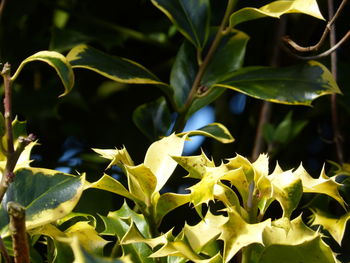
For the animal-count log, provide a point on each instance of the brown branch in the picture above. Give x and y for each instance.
(12, 155)
(17, 228)
(334, 60)
(2, 7)
(326, 53)
(315, 47)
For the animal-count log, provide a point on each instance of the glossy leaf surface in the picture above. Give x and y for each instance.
(115, 68)
(183, 73)
(292, 241)
(276, 9)
(158, 158)
(153, 119)
(191, 17)
(214, 130)
(334, 225)
(47, 195)
(297, 85)
(55, 60)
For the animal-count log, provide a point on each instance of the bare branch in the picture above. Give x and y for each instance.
(326, 53)
(316, 47)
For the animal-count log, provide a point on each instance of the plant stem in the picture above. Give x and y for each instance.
(11, 154)
(336, 132)
(180, 122)
(17, 228)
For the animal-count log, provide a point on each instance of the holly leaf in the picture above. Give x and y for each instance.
(275, 10)
(191, 18)
(237, 233)
(55, 60)
(334, 225)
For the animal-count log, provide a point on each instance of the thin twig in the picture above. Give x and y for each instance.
(12, 155)
(334, 60)
(17, 228)
(265, 112)
(326, 53)
(2, 7)
(332, 19)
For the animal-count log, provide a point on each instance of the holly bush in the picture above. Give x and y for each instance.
(238, 209)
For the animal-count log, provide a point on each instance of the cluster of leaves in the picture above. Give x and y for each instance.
(208, 62)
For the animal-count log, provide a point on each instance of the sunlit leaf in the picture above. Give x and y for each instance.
(158, 158)
(118, 223)
(210, 225)
(214, 130)
(203, 191)
(236, 234)
(55, 60)
(322, 185)
(82, 256)
(195, 165)
(292, 241)
(168, 202)
(142, 182)
(297, 85)
(119, 157)
(109, 184)
(287, 190)
(334, 225)
(46, 194)
(88, 237)
(191, 17)
(276, 9)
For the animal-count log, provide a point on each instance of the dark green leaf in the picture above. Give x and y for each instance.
(297, 85)
(183, 73)
(153, 119)
(191, 17)
(227, 58)
(115, 68)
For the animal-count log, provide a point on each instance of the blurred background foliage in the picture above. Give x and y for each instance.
(98, 113)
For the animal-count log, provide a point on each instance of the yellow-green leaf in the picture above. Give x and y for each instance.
(109, 184)
(88, 237)
(142, 182)
(55, 60)
(214, 130)
(236, 234)
(205, 231)
(276, 9)
(203, 191)
(322, 185)
(334, 225)
(287, 189)
(158, 158)
(168, 202)
(292, 241)
(195, 165)
(118, 157)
